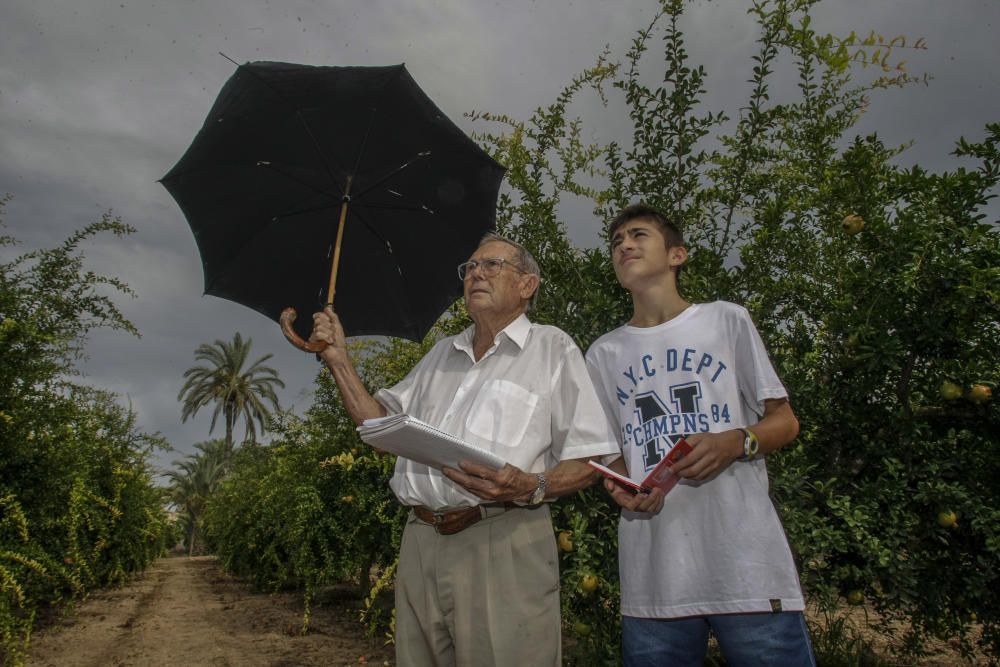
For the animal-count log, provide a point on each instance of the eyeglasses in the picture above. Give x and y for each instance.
(491, 266)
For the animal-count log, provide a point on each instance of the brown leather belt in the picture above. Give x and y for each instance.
(449, 523)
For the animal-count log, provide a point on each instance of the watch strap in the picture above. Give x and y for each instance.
(538, 495)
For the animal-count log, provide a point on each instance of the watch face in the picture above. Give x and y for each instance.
(538, 496)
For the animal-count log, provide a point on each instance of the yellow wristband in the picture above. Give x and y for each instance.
(751, 445)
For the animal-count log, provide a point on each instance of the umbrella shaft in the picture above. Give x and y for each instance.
(336, 248)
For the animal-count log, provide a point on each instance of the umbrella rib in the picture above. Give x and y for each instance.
(319, 151)
(302, 211)
(375, 233)
(392, 173)
(278, 170)
(394, 207)
(298, 114)
(405, 305)
(364, 142)
(388, 246)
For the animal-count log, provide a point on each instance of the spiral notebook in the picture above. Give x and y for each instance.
(418, 441)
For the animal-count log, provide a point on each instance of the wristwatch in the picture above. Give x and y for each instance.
(750, 445)
(538, 495)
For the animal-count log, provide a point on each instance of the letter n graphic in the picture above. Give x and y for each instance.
(650, 409)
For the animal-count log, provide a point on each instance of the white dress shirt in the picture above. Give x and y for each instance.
(529, 400)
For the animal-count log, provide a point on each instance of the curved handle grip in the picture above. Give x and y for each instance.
(288, 316)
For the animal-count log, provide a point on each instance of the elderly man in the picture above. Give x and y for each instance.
(478, 580)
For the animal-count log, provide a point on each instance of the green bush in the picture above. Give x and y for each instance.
(78, 508)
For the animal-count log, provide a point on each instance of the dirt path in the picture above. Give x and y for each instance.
(185, 611)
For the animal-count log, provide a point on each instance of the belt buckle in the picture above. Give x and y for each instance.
(438, 518)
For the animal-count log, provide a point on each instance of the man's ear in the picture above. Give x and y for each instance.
(530, 283)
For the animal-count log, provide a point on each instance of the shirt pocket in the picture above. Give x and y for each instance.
(502, 413)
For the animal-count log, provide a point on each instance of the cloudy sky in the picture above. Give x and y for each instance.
(99, 98)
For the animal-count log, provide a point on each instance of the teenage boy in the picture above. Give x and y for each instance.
(712, 555)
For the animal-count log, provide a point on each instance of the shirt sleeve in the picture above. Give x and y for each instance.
(758, 380)
(580, 427)
(604, 399)
(400, 397)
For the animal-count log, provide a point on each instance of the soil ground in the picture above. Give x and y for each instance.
(939, 652)
(186, 612)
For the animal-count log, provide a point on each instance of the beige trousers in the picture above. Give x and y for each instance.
(487, 596)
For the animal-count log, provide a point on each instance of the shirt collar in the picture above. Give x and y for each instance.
(517, 331)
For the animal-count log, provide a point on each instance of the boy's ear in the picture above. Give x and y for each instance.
(677, 255)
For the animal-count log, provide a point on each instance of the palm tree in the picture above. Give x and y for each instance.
(197, 478)
(234, 391)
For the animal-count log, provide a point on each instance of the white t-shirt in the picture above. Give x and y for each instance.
(717, 547)
(529, 399)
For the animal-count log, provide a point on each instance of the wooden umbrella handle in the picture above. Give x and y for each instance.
(288, 316)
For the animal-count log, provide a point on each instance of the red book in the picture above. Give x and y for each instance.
(659, 477)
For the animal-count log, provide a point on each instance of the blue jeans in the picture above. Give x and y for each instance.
(778, 639)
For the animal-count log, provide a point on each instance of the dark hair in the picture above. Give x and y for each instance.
(671, 231)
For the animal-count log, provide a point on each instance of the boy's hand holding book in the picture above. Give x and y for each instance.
(645, 496)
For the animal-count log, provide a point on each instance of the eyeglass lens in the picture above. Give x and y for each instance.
(491, 266)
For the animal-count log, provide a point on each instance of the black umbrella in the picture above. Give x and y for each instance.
(307, 182)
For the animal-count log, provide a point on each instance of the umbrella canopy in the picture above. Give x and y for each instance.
(297, 167)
